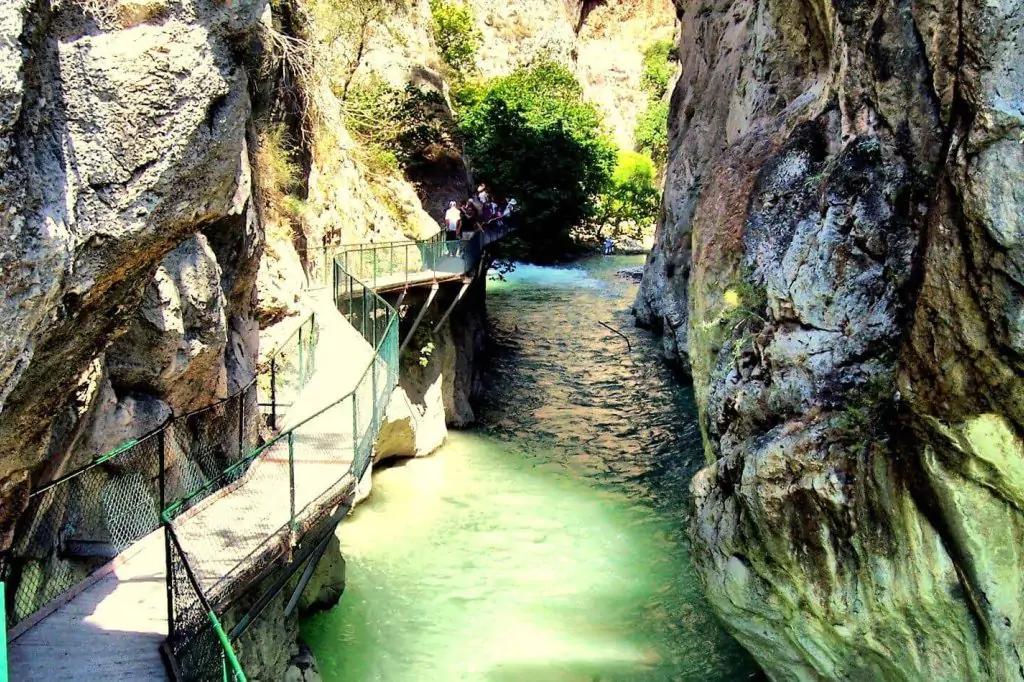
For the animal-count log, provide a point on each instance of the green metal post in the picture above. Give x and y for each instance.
(229, 652)
(241, 426)
(314, 337)
(273, 393)
(362, 326)
(3, 640)
(355, 425)
(302, 367)
(291, 479)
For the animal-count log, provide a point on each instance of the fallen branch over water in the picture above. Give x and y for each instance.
(613, 329)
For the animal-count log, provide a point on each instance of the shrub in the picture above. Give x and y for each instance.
(532, 134)
(456, 34)
(652, 132)
(633, 195)
(276, 171)
(407, 122)
(658, 66)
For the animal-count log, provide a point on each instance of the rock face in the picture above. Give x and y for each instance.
(440, 375)
(122, 140)
(840, 259)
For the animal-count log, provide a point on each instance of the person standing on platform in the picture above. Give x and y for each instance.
(452, 220)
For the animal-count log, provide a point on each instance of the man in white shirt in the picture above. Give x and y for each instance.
(452, 217)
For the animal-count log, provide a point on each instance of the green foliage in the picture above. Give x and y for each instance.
(532, 134)
(456, 34)
(425, 353)
(652, 132)
(633, 195)
(401, 126)
(745, 302)
(278, 173)
(658, 66)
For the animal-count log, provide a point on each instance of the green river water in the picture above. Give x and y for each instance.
(546, 544)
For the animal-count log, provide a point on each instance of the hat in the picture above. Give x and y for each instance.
(512, 201)
(451, 204)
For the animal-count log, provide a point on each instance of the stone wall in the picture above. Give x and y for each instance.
(839, 262)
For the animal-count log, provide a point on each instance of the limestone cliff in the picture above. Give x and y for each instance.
(840, 261)
(128, 238)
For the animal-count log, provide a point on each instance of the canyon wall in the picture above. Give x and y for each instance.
(129, 241)
(839, 263)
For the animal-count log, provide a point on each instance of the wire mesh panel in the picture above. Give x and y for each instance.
(237, 508)
(287, 371)
(80, 521)
(192, 638)
(203, 445)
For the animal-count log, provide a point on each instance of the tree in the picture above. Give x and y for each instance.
(456, 35)
(633, 195)
(530, 134)
(658, 67)
(652, 131)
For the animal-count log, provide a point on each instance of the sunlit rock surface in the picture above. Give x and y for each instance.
(122, 135)
(840, 262)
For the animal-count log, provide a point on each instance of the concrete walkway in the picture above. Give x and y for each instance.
(113, 628)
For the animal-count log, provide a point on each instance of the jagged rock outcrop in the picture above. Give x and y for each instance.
(840, 260)
(440, 377)
(122, 135)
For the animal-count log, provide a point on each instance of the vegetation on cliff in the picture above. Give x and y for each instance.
(456, 35)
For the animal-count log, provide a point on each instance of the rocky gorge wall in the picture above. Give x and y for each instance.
(839, 263)
(129, 242)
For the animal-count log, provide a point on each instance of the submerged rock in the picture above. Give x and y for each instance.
(840, 261)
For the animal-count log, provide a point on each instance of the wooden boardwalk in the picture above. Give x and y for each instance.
(113, 628)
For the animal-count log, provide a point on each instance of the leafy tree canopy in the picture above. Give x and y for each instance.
(531, 134)
(652, 131)
(658, 66)
(633, 195)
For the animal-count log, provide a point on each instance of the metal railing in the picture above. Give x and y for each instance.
(3, 640)
(398, 264)
(286, 372)
(83, 519)
(286, 484)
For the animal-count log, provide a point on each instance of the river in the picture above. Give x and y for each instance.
(546, 544)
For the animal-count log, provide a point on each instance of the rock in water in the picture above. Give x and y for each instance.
(841, 261)
(635, 274)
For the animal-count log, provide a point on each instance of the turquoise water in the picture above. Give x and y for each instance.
(547, 544)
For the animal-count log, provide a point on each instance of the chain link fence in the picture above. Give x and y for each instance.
(285, 373)
(79, 522)
(197, 643)
(228, 531)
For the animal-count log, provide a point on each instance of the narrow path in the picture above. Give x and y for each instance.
(112, 630)
(229, 531)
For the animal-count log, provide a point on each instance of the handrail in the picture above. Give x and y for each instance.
(378, 325)
(229, 651)
(47, 529)
(3, 640)
(176, 506)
